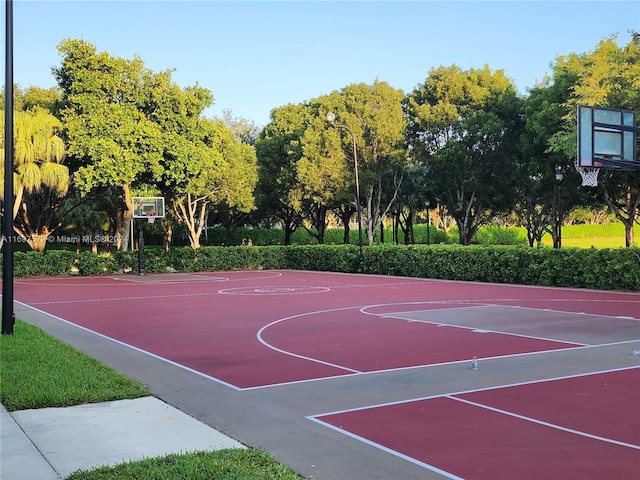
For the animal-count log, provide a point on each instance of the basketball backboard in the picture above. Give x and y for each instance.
(607, 138)
(148, 207)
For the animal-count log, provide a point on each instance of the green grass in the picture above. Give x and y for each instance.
(589, 242)
(38, 371)
(610, 235)
(230, 464)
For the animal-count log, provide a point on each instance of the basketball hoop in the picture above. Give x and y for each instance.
(589, 175)
(151, 216)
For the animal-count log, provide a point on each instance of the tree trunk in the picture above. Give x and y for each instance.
(127, 215)
(628, 231)
(38, 242)
(191, 211)
(345, 217)
(167, 235)
(626, 211)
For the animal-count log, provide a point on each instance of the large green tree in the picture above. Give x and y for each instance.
(464, 126)
(212, 169)
(278, 149)
(324, 178)
(607, 76)
(136, 130)
(538, 203)
(374, 114)
(112, 140)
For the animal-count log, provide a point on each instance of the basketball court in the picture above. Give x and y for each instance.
(361, 376)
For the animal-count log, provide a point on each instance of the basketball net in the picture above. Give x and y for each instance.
(589, 175)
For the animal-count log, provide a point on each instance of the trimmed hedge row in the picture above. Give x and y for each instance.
(604, 269)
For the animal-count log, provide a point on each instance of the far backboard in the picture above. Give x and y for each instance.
(148, 207)
(607, 138)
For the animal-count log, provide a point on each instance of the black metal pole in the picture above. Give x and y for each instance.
(141, 266)
(331, 117)
(427, 204)
(358, 206)
(560, 214)
(557, 240)
(8, 316)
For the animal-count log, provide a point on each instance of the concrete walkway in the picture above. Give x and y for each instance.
(52, 443)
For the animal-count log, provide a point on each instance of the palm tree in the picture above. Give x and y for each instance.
(38, 153)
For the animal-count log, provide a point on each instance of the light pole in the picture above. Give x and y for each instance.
(557, 241)
(427, 204)
(8, 316)
(331, 118)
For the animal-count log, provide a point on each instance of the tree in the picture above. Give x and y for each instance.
(246, 131)
(39, 175)
(374, 114)
(412, 198)
(464, 127)
(111, 140)
(324, 179)
(212, 168)
(278, 149)
(203, 162)
(608, 76)
(535, 200)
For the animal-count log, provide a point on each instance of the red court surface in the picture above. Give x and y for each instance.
(253, 330)
(578, 428)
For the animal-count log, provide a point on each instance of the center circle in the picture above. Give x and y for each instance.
(272, 290)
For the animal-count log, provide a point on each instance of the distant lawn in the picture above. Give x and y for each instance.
(588, 242)
(608, 235)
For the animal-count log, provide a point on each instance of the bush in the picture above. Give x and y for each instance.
(567, 267)
(491, 235)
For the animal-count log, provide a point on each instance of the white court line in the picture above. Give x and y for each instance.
(484, 330)
(126, 279)
(397, 316)
(224, 276)
(546, 424)
(568, 312)
(303, 357)
(363, 310)
(395, 453)
(475, 390)
(137, 349)
(119, 299)
(429, 365)
(316, 419)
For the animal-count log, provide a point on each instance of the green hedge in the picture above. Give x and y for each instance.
(606, 269)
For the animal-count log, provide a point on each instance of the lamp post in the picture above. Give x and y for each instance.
(557, 241)
(427, 204)
(331, 118)
(8, 316)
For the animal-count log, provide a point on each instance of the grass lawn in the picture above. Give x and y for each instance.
(38, 371)
(587, 242)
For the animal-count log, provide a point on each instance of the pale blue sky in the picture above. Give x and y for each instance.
(255, 56)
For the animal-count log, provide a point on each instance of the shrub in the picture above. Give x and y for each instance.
(491, 235)
(567, 267)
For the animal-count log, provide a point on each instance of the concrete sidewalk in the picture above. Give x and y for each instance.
(52, 443)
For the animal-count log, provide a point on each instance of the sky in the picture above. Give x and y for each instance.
(255, 56)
